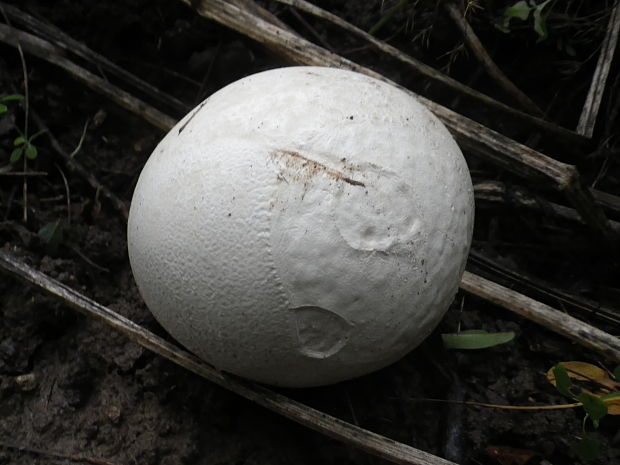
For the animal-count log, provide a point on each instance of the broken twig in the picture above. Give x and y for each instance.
(52, 454)
(485, 142)
(587, 120)
(586, 308)
(53, 54)
(365, 440)
(546, 127)
(582, 333)
(65, 42)
(487, 62)
(517, 196)
(609, 201)
(77, 168)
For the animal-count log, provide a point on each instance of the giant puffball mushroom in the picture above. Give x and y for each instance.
(302, 226)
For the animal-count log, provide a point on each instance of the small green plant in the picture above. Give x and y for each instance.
(522, 9)
(25, 146)
(596, 404)
(52, 235)
(4, 108)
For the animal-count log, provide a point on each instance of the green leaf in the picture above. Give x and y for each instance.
(540, 20)
(16, 154)
(611, 396)
(35, 135)
(52, 234)
(20, 140)
(11, 98)
(594, 407)
(31, 151)
(587, 449)
(520, 10)
(562, 381)
(613, 403)
(617, 373)
(468, 340)
(3, 108)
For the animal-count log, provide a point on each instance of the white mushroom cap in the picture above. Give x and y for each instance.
(302, 226)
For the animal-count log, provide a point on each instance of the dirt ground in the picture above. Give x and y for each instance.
(71, 386)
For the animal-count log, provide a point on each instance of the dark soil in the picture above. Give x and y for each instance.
(71, 386)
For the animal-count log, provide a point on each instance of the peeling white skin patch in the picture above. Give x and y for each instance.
(383, 220)
(321, 333)
(302, 226)
(386, 221)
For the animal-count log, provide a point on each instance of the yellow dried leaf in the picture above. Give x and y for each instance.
(592, 380)
(582, 372)
(613, 408)
(613, 403)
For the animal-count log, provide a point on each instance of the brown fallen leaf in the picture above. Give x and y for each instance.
(592, 380)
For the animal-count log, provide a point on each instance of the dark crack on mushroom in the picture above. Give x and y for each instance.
(198, 108)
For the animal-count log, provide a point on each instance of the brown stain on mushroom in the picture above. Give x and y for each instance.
(304, 169)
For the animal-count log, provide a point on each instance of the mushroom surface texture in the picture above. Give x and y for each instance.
(302, 226)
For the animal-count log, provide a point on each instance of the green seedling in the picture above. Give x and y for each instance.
(476, 339)
(52, 235)
(592, 388)
(4, 108)
(596, 404)
(521, 10)
(25, 146)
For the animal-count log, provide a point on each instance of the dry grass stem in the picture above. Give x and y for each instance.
(585, 308)
(53, 54)
(559, 322)
(587, 120)
(365, 440)
(76, 167)
(60, 39)
(483, 141)
(481, 54)
(546, 127)
(518, 197)
(608, 201)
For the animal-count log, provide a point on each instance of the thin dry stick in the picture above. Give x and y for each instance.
(528, 163)
(257, 10)
(586, 307)
(62, 40)
(313, 31)
(46, 51)
(57, 455)
(23, 173)
(498, 192)
(609, 201)
(436, 76)
(487, 62)
(587, 120)
(77, 167)
(517, 408)
(483, 141)
(25, 134)
(559, 322)
(365, 440)
(387, 17)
